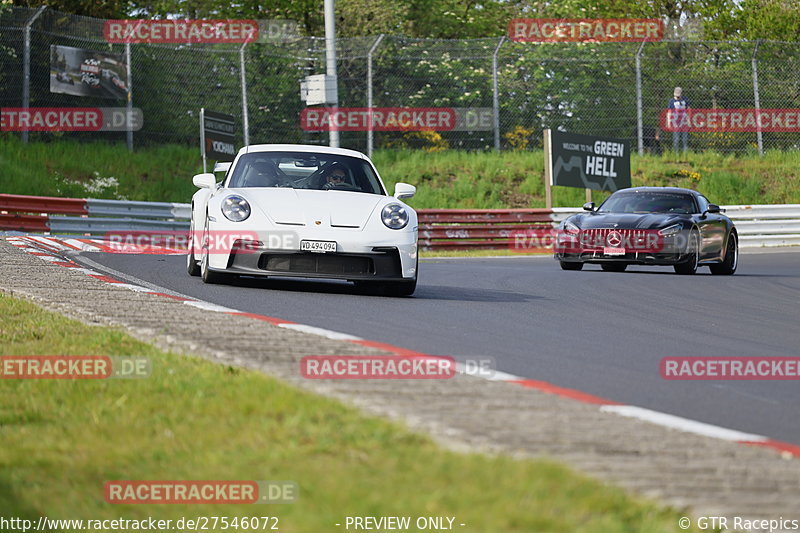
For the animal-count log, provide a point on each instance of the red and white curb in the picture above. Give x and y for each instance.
(48, 248)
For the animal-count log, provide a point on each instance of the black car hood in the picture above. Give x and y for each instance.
(628, 220)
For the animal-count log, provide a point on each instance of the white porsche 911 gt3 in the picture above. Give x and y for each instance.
(303, 211)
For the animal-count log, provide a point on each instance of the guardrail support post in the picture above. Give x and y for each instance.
(757, 98)
(245, 116)
(639, 113)
(496, 95)
(26, 65)
(370, 134)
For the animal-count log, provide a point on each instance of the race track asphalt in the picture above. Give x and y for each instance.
(598, 332)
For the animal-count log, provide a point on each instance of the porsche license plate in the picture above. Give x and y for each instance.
(613, 251)
(318, 246)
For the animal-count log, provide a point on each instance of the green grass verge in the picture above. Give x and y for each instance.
(453, 179)
(193, 419)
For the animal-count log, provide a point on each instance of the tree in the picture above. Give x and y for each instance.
(113, 9)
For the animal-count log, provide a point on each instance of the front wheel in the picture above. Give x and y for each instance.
(401, 288)
(728, 266)
(388, 288)
(191, 262)
(570, 265)
(210, 276)
(614, 267)
(689, 266)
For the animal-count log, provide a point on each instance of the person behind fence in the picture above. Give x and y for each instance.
(678, 108)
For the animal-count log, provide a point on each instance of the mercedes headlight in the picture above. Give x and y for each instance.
(571, 227)
(670, 230)
(235, 208)
(394, 216)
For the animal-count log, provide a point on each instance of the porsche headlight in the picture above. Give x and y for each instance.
(571, 227)
(235, 208)
(394, 216)
(670, 230)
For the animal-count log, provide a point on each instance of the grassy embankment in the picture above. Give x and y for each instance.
(444, 179)
(193, 419)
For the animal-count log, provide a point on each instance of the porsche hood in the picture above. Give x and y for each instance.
(302, 207)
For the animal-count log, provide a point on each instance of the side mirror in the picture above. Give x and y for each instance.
(713, 208)
(404, 190)
(588, 206)
(204, 181)
(222, 167)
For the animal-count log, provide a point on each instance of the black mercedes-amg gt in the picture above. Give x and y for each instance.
(650, 226)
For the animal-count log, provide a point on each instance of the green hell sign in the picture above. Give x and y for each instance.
(588, 162)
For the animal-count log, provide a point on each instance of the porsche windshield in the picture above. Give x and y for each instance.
(648, 202)
(304, 170)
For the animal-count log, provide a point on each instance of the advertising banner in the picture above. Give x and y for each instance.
(82, 72)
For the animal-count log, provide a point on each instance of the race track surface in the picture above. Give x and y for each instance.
(598, 332)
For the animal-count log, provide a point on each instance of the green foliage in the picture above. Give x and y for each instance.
(449, 178)
(111, 9)
(456, 19)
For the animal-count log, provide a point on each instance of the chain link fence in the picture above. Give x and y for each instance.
(613, 89)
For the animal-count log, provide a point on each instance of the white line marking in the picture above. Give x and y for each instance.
(80, 245)
(335, 335)
(500, 376)
(135, 288)
(682, 424)
(208, 306)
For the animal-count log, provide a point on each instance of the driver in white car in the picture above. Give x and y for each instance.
(335, 175)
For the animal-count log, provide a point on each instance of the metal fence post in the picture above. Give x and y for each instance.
(496, 95)
(370, 135)
(26, 65)
(245, 116)
(639, 114)
(330, 65)
(757, 98)
(129, 133)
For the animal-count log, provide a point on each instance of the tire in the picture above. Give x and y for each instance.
(728, 265)
(405, 287)
(191, 263)
(401, 288)
(211, 277)
(689, 267)
(570, 265)
(614, 267)
(387, 288)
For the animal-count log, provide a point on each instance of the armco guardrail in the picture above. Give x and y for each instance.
(90, 216)
(475, 229)
(439, 229)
